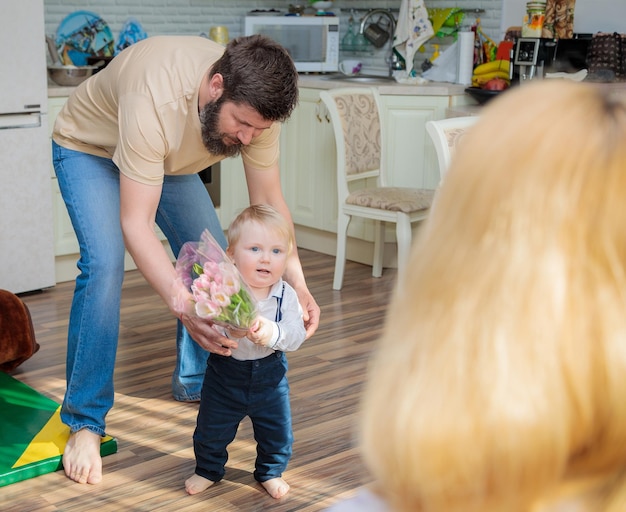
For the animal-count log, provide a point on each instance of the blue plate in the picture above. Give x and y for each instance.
(83, 34)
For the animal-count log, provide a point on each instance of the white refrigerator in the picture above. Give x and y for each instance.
(26, 224)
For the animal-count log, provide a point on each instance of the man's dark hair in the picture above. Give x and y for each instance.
(259, 72)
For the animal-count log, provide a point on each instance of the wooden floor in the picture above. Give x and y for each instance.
(154, 432)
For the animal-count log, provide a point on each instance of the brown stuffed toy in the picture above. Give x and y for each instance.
(17, 336)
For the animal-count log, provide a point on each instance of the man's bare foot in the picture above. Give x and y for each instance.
(81, 457)
(196, 483)
(276, 487)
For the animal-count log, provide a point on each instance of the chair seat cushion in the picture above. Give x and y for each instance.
(397, 199)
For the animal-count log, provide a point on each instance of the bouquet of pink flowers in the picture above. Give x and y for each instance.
(217, 288)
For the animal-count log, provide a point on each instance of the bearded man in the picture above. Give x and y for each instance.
(127, 149)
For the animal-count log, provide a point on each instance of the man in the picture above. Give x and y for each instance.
(127, 148)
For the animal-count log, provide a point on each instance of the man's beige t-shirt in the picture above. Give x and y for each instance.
(142, 111)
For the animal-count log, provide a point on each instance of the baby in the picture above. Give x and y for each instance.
(252, 381)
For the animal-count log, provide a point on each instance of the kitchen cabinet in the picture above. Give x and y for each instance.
(308, 166)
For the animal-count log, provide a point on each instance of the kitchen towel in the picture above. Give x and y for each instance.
(465, 63)
(559, 22)
(412, 30)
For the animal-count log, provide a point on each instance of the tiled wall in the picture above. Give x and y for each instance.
(197, 16)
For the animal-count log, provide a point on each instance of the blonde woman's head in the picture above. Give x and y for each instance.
(500, 379)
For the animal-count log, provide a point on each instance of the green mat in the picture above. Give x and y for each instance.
(32, 437)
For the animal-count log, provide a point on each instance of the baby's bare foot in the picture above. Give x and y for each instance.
(276, 487)
(196, 483)
(81, 457)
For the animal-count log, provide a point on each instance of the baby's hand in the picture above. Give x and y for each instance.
(261, 332)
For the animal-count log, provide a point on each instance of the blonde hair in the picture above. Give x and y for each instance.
(265, 215)
(499, 383)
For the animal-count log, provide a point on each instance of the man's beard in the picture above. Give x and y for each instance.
(211, 138)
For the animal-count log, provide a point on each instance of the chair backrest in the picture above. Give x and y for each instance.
(355, 116)
(445, 135)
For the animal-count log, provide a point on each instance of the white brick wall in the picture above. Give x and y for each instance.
(195, 16)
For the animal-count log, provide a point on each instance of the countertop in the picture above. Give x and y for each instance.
(388, 87)
(385, 86)
(463, 110)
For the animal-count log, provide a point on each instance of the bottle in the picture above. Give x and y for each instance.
(360, 42)
(347, 42)
(534, 19)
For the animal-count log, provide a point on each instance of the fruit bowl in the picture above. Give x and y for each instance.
(482, 96)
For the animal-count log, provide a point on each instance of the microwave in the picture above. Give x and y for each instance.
(312, 41)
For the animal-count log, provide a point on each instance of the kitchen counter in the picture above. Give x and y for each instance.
(388, 87)
(385, 86)
(614, 88)
(463, 110)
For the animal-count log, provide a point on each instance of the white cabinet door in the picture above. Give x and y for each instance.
(308, 164)
(410, 157)
(65, 241)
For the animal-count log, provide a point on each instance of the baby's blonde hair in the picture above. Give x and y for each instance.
(499, 383)
(263, 214)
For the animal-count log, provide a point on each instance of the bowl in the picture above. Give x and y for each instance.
(69, 75)
(321, 6)
(482, 96)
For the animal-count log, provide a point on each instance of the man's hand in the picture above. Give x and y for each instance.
(310, 311)
(205, 335)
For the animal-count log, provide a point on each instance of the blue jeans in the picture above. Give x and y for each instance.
(233, 390)
(90, 187)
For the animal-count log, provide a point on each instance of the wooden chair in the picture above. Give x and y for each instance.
(445, 135)
(361, 181)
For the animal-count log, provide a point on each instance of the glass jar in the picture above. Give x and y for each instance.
(534, 19)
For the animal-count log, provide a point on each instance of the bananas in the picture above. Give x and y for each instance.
(494, 65)
(494, 69)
